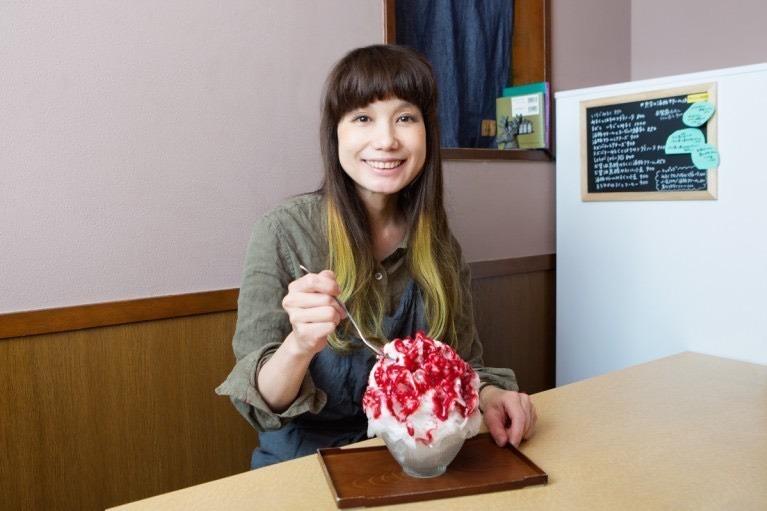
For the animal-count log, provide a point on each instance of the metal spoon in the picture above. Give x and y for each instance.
(375, 349)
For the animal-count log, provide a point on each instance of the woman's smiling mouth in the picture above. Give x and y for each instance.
(384, 165)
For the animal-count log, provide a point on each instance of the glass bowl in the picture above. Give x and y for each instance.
(422, 460)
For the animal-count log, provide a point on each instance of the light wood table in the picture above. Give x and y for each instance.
(684, 432)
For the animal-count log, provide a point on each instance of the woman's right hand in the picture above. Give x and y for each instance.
(313, 310)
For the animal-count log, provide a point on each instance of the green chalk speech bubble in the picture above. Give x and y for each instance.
(684, 140)
(705, 156)
(698, 114)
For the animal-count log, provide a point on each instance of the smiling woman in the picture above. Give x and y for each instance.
(378, 225)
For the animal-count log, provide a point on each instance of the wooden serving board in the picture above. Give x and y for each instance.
(369, 476)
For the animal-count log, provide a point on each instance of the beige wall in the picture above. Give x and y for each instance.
(501, 210)
(590, 43)
(140, 141)
(686, 36)
(600, 42)
(506, 209)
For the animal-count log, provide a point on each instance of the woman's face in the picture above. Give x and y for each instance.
(382, 146)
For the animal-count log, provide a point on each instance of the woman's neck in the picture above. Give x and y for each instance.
(388, 226)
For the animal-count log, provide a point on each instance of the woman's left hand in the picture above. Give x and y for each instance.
(509, 416)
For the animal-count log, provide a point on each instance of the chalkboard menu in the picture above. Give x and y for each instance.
(650, 146)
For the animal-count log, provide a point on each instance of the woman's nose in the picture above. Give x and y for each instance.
(385, 136)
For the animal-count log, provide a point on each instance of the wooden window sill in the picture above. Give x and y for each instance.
(460, 153)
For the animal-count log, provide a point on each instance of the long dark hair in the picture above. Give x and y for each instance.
(363, 76)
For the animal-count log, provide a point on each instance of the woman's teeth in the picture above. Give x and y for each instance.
(384, 164)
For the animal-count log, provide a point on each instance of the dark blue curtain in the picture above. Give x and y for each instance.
(468, 42)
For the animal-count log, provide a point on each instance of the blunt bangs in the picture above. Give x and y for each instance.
(379, 73)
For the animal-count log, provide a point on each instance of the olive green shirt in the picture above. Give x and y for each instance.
(291, 234)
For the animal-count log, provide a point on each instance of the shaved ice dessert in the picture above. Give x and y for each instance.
(422, 400)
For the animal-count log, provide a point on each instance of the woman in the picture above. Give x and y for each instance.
(377, 233)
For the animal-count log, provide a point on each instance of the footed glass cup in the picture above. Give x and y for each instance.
(424, 460)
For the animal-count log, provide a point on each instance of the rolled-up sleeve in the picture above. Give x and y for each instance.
(262, 325)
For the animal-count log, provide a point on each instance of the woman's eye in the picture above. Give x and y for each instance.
(362, 119)
(407, 118)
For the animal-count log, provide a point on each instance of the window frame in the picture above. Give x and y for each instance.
(531, 57)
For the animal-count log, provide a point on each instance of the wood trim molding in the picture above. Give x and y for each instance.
(466, 153)
(78, 317)
(531, 42)
(529, 264)
(389, 17)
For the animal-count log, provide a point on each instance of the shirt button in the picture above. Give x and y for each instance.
(378, 276)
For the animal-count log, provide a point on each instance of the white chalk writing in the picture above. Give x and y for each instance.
(627, 148)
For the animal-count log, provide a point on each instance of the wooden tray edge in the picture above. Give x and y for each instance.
(539, 477)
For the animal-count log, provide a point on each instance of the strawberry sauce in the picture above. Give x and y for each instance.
(422, 365)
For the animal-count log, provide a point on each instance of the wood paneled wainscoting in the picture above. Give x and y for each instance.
(514, 309)
(110, 403)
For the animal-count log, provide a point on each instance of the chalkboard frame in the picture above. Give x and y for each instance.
(710, 193)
